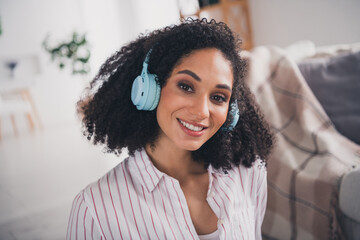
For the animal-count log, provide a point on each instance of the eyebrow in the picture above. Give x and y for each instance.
(197, 78)
(190, 73)
(223, 86)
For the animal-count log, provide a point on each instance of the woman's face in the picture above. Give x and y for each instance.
(194, 101)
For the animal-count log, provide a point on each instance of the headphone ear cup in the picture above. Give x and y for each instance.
(137, 92)
(145, 92)
(235, 115)
(153, 93)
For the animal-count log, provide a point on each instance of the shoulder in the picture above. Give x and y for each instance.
(100, 190)
(251, 178)
(258, 168)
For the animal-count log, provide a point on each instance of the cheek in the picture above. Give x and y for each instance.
(223, 117)
(167, 105)
(220, 117)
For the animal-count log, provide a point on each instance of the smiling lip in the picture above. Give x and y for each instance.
(190, 132)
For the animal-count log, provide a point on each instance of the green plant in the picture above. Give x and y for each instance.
(0, 27)
(74, 52)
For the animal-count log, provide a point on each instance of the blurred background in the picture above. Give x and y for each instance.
(51, 49)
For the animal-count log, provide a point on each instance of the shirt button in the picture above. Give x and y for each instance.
(221, 221)
(212, 194)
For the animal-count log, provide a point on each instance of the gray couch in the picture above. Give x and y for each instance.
(335, 81)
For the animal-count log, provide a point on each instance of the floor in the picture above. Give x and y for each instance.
(40, 174)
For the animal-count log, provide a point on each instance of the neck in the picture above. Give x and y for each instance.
(175, 162)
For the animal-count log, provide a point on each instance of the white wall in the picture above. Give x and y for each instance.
(154, 14)
(326, 22)
(113, 23)
(109, 24)
(25, 25)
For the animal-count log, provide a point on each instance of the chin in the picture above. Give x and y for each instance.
(190, 146)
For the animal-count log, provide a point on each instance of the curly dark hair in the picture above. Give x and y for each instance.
(110, 118)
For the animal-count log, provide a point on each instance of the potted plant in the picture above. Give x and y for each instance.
(74, 52)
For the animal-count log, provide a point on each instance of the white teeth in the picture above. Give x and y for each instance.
(191, 127)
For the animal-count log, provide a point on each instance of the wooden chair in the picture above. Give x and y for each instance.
(18, 102)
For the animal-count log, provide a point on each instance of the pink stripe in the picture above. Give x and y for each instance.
(220, 209)
(132, 209)
(72, 214)
(182, 210)
(242, 233)
(105, 210)
(172, 208)
(242, 186)
(152, 165)
(232, 178)
(223, 203)
(166, 213)
(84, 223)
(262, 185)
(162, 226)
(258, 180)
(230, 189)
(263, 179)
(263, 205)
(224, 193)
(224, 229)
(246, 223)
(147, 169)
(152, 220)
(142, 177)
(157, 213)
(237, 191)
(112, 201)
(77, 220)
(227, 184)
(142, 216)
(217, 204)
(252, 181)
(92, 228)
(97, 216)
(121, 203)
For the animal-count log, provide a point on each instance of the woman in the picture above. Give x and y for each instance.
(195, 139)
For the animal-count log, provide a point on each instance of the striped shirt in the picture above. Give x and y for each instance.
(137, 201)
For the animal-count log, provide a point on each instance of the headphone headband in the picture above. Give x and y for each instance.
(146, 61)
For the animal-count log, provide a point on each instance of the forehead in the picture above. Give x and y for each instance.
(208, 63)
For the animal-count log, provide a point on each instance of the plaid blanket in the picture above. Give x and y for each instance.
(310, 156)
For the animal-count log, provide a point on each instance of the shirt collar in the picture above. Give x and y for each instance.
(147, 175)
(143, 170)
(218, 172)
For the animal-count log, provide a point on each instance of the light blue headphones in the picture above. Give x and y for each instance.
(145, 91)
(145, 94)
(235, 113)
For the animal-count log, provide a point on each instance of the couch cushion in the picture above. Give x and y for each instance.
(335, 82)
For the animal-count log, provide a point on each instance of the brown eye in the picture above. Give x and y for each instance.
(218, 98)
(185, 87)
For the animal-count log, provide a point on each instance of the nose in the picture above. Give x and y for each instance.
(200, 108)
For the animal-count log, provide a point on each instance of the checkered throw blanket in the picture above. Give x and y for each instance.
(310, 156)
